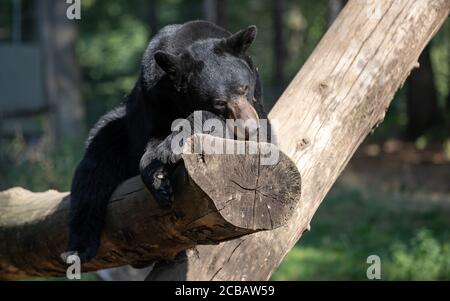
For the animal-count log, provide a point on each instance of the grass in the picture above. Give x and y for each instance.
(413, 243)
(38, 166)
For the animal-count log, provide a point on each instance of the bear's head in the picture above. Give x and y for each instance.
(216, 75)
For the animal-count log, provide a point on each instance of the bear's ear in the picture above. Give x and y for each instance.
(179, 68)
(170, 63)
(177, 65)
(241, 41)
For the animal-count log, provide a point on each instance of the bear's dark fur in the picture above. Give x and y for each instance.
(186, 68)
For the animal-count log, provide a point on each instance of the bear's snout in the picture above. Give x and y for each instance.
(246, 118)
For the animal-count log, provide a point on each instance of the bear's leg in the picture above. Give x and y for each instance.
(104, 166)
(93, 184)
(160, 159)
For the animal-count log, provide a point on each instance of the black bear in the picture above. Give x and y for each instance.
(196, 66)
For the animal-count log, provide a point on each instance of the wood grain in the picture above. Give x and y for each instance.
(217, 198)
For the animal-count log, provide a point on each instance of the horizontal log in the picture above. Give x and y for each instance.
(217, 198)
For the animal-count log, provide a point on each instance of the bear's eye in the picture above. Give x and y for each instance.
(220, 104)
(243, 90)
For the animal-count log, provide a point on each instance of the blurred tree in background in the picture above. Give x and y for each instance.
(58, 41)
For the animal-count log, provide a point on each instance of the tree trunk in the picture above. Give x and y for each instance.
(218, 197)
(279, 47)
(448, 104)
(29, 21)
(153, 20)
(340, 95)
(422, 107)
(62, 77)
(189, 10)
(448, 58)
(216, 11)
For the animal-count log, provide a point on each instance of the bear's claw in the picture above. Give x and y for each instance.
(84, 256)
(156, 178)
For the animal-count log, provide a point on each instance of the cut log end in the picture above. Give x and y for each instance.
(254, 187)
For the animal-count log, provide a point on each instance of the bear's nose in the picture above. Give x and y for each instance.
(245, 116)
(240, 108)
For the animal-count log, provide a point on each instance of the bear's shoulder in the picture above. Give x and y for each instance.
(112, 119)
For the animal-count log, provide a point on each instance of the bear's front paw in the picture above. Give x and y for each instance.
(156, 178)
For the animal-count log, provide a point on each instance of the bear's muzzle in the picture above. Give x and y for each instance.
(246, 118)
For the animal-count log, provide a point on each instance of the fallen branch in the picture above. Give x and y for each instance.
(217, 198)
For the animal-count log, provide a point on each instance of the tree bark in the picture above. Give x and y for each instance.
(423, 112)
(153, 19)
(218, 197)
(216, 11)
(448, 61)
(62, 79)
(448, 104)
(337, 99)
(29, 21)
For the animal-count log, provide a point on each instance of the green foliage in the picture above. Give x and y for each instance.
(395, 123)
(38, 166)
(423, 258)
(413, 243)
(5, 19)
(440, 58)
(113, 38)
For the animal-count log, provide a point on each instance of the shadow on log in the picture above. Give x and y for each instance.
(217, 198)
